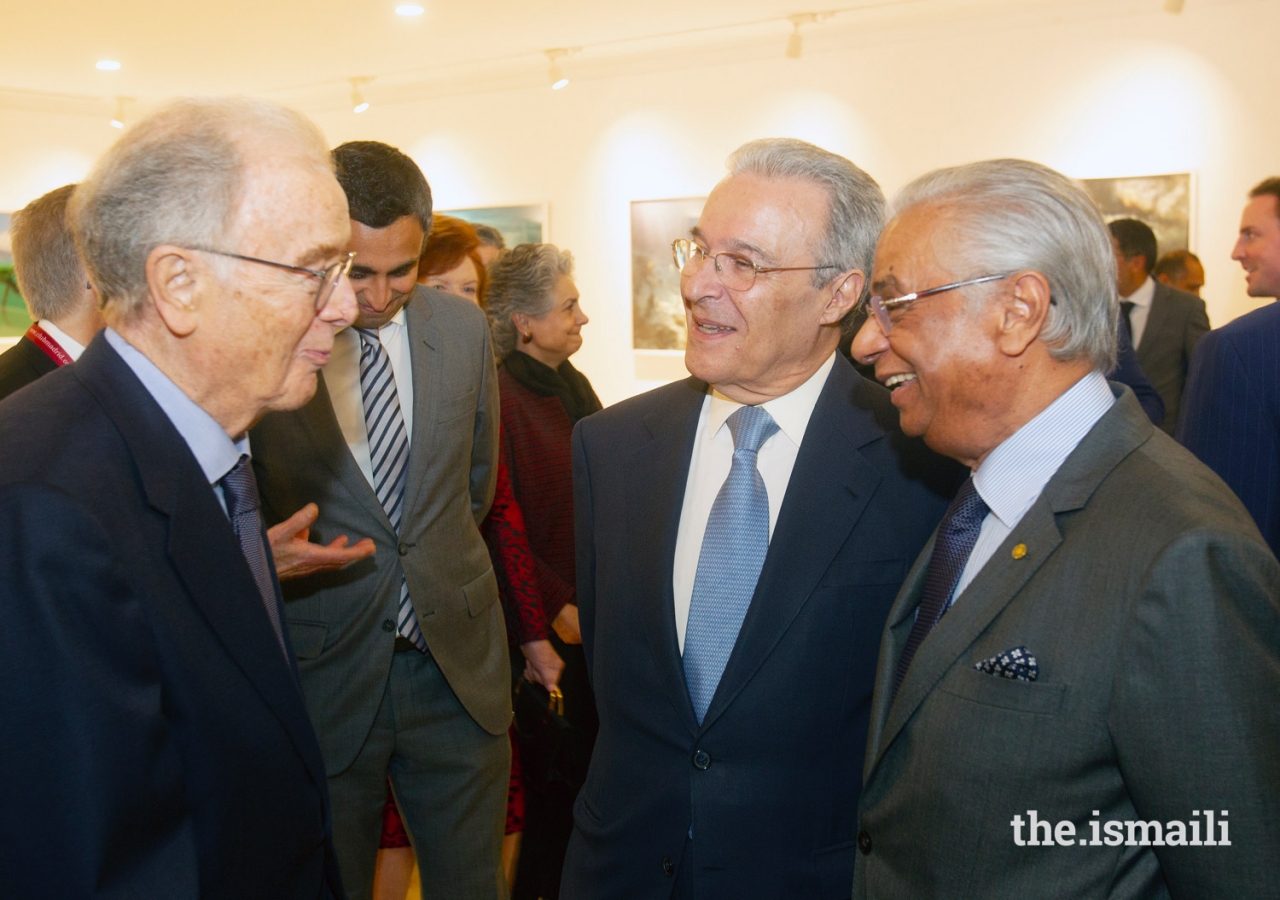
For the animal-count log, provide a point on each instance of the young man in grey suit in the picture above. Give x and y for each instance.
(1165, 323)
(403, 656)
(1078, 685)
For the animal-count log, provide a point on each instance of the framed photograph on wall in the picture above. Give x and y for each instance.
(1162, 201)
(657, 312)
(525, 224)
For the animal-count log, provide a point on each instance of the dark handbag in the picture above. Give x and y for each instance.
(544, 733)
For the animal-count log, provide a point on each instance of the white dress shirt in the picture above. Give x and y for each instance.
(710, 464)
(1141, 300)
(1013, 475)
(72, 347)
(342, 378)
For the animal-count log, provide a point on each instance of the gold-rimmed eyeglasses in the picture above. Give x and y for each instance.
(736, 272)
(329, 277)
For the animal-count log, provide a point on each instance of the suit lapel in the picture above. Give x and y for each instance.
(830, 487)
(656, 476)
(201, 545)
(1157, 322)
(1121, 430)
(426, 359)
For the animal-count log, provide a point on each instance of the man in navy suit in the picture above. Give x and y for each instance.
(741, 536)
(156, 741)
(1232, 418)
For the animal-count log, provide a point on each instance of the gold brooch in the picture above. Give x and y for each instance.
(1019, 551)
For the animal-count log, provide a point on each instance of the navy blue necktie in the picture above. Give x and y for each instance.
(956, 536)
(240, 491)
(733, 550)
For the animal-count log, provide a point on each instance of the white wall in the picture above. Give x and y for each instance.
(1194, 92)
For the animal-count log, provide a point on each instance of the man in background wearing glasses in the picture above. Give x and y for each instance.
(1083, 668)
(741, 535)
(156, 742)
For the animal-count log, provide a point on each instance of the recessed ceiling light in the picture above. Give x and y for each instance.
(409, 9)
(108, 65)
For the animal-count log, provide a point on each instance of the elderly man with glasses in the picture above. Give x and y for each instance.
(1078, 684)
(741, 535)
(156, 740)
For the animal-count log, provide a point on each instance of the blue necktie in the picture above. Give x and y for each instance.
(388, 454)
(733, 551)
(956, 536)
(240, 491)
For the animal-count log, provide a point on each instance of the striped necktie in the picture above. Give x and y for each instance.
(733, 550)
(388, 454)
(240, 492)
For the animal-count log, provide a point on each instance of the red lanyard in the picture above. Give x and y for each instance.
(52, 348)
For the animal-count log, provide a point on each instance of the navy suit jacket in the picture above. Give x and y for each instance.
(769, 782)
(22, 364)
(1231, 417)
(155, 739)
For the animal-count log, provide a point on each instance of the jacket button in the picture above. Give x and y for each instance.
(388, 625)
(702, 760)
(864, 843)
(668, 867)
(404, 549)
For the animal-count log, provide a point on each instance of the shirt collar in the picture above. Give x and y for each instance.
(73, 347)
(1014, 474)
(214, 451)
(791, 411)
(1143, 295)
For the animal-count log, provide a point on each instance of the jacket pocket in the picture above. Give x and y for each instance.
(307, 638)
(1004, 693)
(481, 593)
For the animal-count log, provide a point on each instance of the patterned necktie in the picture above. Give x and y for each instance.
(956, 536)
(1126, 310)
(240, 491)
(388, 454)
(733, 551)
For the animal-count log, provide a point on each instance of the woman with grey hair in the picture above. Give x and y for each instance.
(537, 323)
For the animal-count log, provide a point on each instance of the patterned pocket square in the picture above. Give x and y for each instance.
(1017, 664)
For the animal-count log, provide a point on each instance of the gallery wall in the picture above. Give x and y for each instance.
(1133, 92)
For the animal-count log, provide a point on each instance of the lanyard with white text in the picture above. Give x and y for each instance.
(45, 342)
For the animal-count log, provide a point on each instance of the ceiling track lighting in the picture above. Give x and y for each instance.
(557, 78)
(117, 120)
(358, 103)
(795, 42)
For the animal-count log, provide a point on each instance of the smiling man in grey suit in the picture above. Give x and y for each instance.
(1112, 657)
(403, 656)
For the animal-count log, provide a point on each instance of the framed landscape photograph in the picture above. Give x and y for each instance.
(657, 311)
(518, 224)
(1161, 201)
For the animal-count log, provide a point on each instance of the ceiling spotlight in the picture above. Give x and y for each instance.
(1174, 6)
(795, 43)
(358, 103)
(409, 9)
(117, 121)
(553, 73)
(108, 65)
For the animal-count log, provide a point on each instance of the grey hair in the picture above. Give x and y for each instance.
(856, 201)
(45, 261)
(522, 280)
(1015, 215)
(176, 178)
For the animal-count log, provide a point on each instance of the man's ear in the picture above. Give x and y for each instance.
(1023, 312)
(845, 291)
(175, 278)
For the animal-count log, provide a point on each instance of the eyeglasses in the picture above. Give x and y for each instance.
(736, 272)
(329, 277)
(880, 307)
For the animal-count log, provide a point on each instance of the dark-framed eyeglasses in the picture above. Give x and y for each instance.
(880, 307)
(736, 272)
(329, 277)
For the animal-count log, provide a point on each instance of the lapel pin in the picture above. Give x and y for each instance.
(1019, 551)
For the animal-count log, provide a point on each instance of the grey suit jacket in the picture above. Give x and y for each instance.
(343, 623)
(1152, 607)
(1175, 323)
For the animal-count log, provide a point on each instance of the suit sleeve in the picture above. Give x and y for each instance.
(1226, 423)
(93, 789)
(1197, 327)
(484, 446)
(1195, 714)
(584, 538)
(1129, 371)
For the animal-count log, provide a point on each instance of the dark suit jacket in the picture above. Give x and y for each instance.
(1175, 322)
(22, 364)
(769, 781)
(1129, 371)
(1153, 610)
(1232, 412)
(155, 739)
